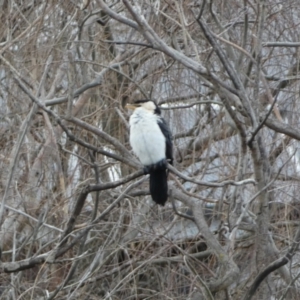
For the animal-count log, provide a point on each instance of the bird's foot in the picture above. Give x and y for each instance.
(147, 169)
(162, 164)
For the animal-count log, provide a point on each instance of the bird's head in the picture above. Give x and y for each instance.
(148, 105)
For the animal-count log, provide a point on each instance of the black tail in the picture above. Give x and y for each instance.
(159, 186)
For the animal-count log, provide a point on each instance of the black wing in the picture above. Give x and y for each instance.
(167, 133)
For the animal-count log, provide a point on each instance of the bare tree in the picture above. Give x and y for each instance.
(76, 218)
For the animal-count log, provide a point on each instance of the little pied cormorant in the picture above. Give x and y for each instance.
(151, 141)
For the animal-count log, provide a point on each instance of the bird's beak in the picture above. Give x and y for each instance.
(131, 106)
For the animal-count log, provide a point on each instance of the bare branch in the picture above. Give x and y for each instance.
(281, 44)
(211, 184)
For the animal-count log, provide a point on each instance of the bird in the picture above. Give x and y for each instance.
(151, 141)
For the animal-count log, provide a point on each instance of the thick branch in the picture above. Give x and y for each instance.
(283, 128)
(229, 268)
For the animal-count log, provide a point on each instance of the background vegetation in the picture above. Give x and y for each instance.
(76, 218)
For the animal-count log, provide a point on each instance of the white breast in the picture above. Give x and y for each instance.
(146, 138)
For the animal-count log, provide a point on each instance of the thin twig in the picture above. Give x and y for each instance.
(16, 151)
(262, 123)
(191, 105)
(32, 218)
(205, 288)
